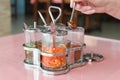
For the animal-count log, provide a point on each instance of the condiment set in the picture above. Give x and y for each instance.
(52, 48)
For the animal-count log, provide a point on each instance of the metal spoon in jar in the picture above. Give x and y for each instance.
(71, 23)
(51, 15)
(40, 14)
(54, 20)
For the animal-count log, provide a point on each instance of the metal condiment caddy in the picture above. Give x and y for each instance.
(49, 48)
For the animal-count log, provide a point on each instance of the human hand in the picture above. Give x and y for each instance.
(110, 7)
(91, 6)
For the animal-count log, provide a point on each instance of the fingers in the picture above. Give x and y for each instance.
(71, 3)
(79, 3)
(100, 10)
(85, 9)
(89, 12)
(94, 10)
(74, 1)
(78, 6)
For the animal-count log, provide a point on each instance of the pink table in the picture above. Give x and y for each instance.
(12, 56)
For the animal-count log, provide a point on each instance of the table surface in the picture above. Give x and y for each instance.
(12, 56)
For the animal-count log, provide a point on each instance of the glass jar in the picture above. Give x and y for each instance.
(54, 50)
(76, 38)
(32, 40)
(76, 50)
(76, 34)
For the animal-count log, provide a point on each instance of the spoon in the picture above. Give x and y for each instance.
(71, 23)
(41, 16)
(25, 26)
(54, 20)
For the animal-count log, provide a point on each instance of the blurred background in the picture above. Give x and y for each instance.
(13, 13)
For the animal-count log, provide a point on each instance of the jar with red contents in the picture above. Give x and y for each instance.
(54, 50)
(76, 48)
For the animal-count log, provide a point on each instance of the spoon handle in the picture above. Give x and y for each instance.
(54, 20)
(73, 10)
(41, 16)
